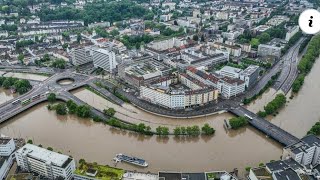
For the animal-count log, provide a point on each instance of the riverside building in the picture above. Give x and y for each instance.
(46, 163)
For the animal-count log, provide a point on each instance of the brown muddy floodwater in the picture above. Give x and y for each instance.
(92, 141)
(35, 77)
(226, 150)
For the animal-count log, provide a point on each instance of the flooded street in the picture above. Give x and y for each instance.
(97, 142)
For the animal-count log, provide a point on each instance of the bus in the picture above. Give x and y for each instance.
(16, 102)
(25, 102)
(247, 116)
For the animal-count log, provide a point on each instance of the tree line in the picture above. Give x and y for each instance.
(95, 12)
(273, 106)
(307, 61)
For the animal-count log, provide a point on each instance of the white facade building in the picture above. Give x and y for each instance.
(305, 152)
(268, 50)
(230, 72)
(81, 56)
(47, 163)
(104, 59)
(7, 147)
(291, 32)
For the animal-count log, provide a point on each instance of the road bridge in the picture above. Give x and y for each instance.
(265, 126)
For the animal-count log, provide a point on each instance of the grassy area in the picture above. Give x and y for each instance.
(103, 172)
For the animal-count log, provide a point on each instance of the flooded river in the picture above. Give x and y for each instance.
(92, 141)
(97, 142)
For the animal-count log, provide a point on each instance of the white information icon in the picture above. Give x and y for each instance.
(309, 21)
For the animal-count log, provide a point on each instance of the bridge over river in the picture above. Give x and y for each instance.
(40, 91)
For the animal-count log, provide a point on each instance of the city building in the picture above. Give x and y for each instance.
(80, 56)
(227, 87)
(49, 164)
(305, 152)
(104, 59)
(230, 72)
(233, 50)
(299, 161)
(268, 50)
(291, 32)
(7, 147)
(198, 58)
(250, 75)
(143, 70)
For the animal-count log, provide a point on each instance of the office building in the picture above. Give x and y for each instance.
(230, 72)
(268, 50)
(104, 59)
(250, 75)
(80, 56)
(7, 147)
(46, 163)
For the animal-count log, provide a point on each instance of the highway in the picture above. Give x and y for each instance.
(289, 70)
(285, 77)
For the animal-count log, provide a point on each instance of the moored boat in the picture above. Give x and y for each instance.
(131, 160)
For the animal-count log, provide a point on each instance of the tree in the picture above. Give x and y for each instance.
(50, 148)
(52, 97)
(79, 37)
(202, 38)
(21, 57)
(59, 63)
(61, 109)
(30, 141)
(238, 122)
(162, 131)
(177, 131)
(207, 130)
(65, 46)
(72, 107)
(109, 111)
(83, 111)
(195, 38)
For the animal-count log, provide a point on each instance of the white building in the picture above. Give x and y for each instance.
(230, 72)
(47, 163)
(291, 32)
(250, 75)
(232, 87)
(104, 59)
(233, 50)
(7, 147)
(228, 87)
(305, 152)
(81, 56)
(268, 50)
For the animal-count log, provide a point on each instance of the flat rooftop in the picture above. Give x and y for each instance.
(43, 155)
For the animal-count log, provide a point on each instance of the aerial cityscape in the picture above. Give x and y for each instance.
(159, 89)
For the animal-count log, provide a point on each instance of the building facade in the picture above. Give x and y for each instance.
(104, 59)
(47, 163)
(268, 50)
(80, 56)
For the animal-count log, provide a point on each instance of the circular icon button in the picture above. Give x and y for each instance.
(309, 21)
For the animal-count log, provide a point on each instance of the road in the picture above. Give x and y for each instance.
(286, 59)
(289, 70)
